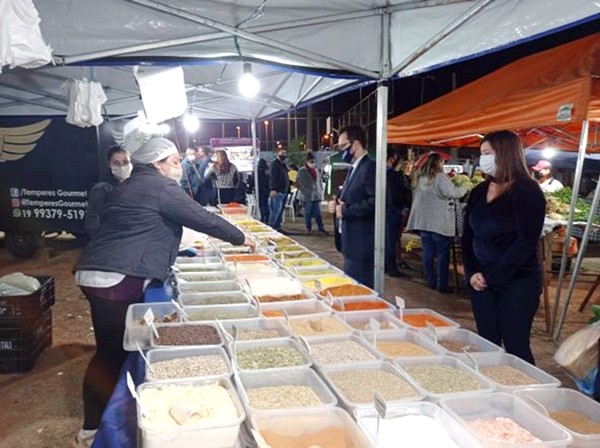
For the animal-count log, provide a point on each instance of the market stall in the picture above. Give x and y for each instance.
(298, 353)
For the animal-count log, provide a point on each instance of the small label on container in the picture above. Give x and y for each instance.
(433, 331)
(380, 405)
(400, 303)
(304, 343)
(329, 299)
(131, 386)
(375, 325)
(149, 316)
(235, 332)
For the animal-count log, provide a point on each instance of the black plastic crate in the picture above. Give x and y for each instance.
(22, 363)
(28, 305)
(19, 342)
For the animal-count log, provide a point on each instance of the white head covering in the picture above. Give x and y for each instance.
(154, 150)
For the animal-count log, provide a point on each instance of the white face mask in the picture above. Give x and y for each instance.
(487, 162)
(311, 164)
(121, 172)
(191, 157)
(175, 173)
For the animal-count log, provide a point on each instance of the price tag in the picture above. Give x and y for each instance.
(287, 316)
(148, 365)
(304, 343)
(235, 332)
(329, 299)
(259, 439)
(380, 405)
(433, 331)
(401, 304)
(375, 325)
(318, 285)
(282, 259)
(342, 307)
(249, 287)
(149, 319)
(132, 391)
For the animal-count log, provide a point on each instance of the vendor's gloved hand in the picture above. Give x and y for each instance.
(251, 244)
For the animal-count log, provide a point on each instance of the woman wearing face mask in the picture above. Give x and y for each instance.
(119, 167)
(226, 177)
(503, 224)
(433, 216)
(310, 192)
(137, 243)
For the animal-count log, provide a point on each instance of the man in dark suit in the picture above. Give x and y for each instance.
(355, 209)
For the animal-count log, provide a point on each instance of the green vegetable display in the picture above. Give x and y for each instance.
(558, 204)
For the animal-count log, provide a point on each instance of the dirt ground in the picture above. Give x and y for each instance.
(42, 408)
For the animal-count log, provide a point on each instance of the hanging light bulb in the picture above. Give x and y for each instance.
(548, 152)
(248, 84)
(190, 123)
(164, 128)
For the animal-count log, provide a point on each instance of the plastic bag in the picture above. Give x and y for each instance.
(21, 282)
(85, 102)
(578, 354)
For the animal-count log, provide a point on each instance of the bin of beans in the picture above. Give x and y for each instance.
(289, 389)
(136, 330)
(510, 373)
(418, 318)
(444, 376)
(268, 354)
(186, 334)
(320, 324)
(213, 298)
(187, 362)
(341, 350)
(502, 419)
(355, 385)
(455, 341)
(574, 411)
(402, 343)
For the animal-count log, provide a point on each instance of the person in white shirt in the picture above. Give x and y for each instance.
(543, 174)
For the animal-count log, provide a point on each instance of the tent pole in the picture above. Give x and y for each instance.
(315, 58)
(256, 157)
(584, 241)
(380, 187)
(563, 262)
(441, 35)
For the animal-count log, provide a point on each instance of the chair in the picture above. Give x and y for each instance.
(289, 205)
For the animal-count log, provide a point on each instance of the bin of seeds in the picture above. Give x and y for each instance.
(221, 312)
(198, 264)
(295, 308)
(187, 334)
(187, 362)
(257, 329)
(212, 286)
(213, 298)
(360, 321)
(402, 343)
(319, 324)
(268, 354)
(418, 318)
(455, 341)
(341, 350)
(278, 390)
(136, 330)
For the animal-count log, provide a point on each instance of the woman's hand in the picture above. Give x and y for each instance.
(273, 193)
(478, 281)
(249, 243)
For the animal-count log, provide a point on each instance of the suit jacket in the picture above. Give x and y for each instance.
(358, 212)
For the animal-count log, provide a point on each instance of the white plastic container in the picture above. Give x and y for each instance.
(250, 275)
(352, 406)
(221, 312)
(237, 347)
(208, 276)
(315, 341)
(165, 354)
(297, 329)
(411, 311)
(510, 406)
(304, 254)
(455, 430)
(208, 298)
(487, 386)
(554, 400)
(155, 343)
(466, 337)
(136, 330)
(296, 307)
(258, 324)
(541, 378)
(360, 320)
(293, 377)
(218, 286)
(371, 294)
(199, 264)
(224, 435)
(402, 335)
(310, 421)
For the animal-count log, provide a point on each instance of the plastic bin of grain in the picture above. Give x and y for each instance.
(444, 377)
(360, 320)
(291, 389)
(341, 350)
(257, 329)
(198, 264)
(294, 308)
(402, 343)
(578, 414)
(136, 330)
(213, 298)
(187, 334)
(206, 409)
(317, 325)
(272, 354)
(222, 312)
(510, 373)
(494, 410)
(325, 428)
(220, 285)
(454, 340)
(415, 425)
(188, 362)
(417, 319)
(210, 276)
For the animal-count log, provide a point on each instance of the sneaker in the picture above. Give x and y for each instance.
(84, 438)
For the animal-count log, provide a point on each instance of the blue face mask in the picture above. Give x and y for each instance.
(346, 155)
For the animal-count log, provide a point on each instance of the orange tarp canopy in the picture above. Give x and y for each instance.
(524, 96)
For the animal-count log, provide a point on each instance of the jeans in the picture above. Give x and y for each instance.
(393, 223)
(276, 206)
(312, 209)
(436, 246)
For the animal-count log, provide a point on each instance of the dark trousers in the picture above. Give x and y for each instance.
(312, 209)
(436, 259)
(264, 208)
(108, 318)
(361, 271)
(393, 225)
(504, 314)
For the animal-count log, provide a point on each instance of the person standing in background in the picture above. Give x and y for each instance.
(226, 177)
(310, 192)
(279, 185)
(206, 186)
(119, 166)
(191, 179)
(263, 190)
(543, 173)
(433, 216)
(355, 209)
(502, 227)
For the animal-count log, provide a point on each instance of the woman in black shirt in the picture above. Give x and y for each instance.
(503, 223)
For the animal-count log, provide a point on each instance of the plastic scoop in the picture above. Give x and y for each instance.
(179, 308)
(182, 413)
(473, 360)
(144, 358)
(134, 394)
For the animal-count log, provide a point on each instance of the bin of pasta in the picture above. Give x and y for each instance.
(186, 334)
(344, 349)
(177, 414)
(320, 324)
(257, 329)
(326, 428)
(294, 308)
(221, 286)
(418, 318)
(354, 291)
(403, 343)
(456, 341)
(187, 362)
(414, 425)
(505, 420)
(510, 373)
(198, 264)
(213, 298)
(136, 330)
(279, 289)
(289, 389)
(355, 385)
(360, 321)
(574, 411)
(221, 312)
(268, 354)
(444, 376)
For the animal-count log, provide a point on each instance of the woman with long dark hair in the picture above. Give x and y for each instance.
(503, 223)
(226, 177)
